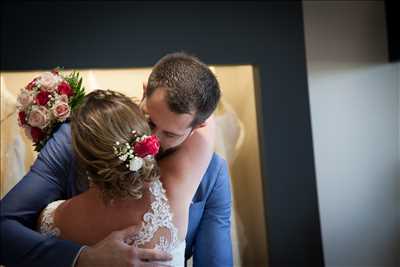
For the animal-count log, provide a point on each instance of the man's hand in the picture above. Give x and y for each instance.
(115, 251)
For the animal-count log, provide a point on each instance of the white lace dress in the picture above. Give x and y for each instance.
(157, 226)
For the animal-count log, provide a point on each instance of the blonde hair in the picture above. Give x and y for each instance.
(104, 118)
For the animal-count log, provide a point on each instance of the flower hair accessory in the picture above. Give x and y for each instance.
(46, 102)
(134, 152)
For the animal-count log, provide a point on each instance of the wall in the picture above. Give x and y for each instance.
(354, 97)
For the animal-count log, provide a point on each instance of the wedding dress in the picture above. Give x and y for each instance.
(157, 226)
(229, 136)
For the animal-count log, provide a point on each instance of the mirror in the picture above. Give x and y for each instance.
(237, 141)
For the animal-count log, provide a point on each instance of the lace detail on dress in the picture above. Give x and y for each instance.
(159, 217)
(47, 226)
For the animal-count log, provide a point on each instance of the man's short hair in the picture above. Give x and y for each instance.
(191, 86)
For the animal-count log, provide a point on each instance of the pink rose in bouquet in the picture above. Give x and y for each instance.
(48, 81)
(39, 117)
(30, 85)
(61, 110)
(24, 99)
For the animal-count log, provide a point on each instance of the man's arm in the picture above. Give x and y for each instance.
(212, 244)
(45, 182)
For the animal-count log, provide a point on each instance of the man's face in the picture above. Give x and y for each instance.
(171, 128)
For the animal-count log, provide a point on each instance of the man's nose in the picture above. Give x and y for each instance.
(156, 132)
(159, 136)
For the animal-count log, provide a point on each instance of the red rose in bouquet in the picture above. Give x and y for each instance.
(31, 85)
(65, 89)
(42, 98)
(21, 118)
(37, 134)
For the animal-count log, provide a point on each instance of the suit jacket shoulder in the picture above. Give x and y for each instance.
(216, 166)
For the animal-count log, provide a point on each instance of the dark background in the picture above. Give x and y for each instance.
(267, 35)
(392, 8)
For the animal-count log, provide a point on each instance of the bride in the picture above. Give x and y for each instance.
(116, 155)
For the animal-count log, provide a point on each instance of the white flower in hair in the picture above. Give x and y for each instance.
(124, 157)
(136, 163)
(134, 152)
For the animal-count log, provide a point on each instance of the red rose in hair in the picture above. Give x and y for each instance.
(31, 85)
(21, 118)
(37, 134)
(42, 98)
(149, 146)
(65, 89)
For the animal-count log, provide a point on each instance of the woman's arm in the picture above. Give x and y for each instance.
(182, 170)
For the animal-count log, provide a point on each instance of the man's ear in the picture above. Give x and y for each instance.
(144, 87)
(200, 125)
(144, 90)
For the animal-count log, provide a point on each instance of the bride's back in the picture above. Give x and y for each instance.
(86, 219)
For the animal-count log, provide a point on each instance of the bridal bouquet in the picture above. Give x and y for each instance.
(46, 102)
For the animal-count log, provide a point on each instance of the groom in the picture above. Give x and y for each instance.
(181, 94)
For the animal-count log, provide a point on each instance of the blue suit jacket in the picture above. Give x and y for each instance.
(52, 177)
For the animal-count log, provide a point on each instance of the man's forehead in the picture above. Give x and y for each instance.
(178, 126)
(167, 120)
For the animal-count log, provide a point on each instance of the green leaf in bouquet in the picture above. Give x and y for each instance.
(75, 81)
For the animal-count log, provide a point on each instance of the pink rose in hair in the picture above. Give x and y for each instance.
(39, 117)
(61, 110)
(149, 146)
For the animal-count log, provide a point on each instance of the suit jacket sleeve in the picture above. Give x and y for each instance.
(213, 245)
(45, 182)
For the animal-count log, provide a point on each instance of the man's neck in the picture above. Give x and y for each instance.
(165, 153)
